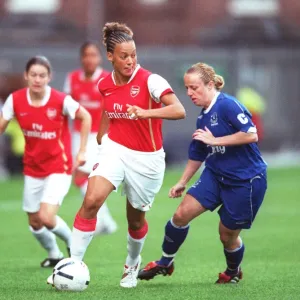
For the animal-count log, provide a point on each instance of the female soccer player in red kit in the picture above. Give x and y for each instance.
(42, 113)
(82, 86)
(133, 153)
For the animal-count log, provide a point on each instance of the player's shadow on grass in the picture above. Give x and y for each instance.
(176, 285)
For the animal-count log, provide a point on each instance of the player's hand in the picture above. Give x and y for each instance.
(136, 112)
(80, 159)
(205, 136)
(177, 190)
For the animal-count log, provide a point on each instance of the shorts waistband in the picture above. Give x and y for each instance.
(117, 145)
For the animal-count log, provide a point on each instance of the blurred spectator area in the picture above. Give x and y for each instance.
(252, 43)
(10, 82)
(171, 22)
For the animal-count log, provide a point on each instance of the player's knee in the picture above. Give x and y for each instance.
(227, 239)
(138, 230)
(48, 220)
(35, 223)
(91, 204)
(180, 217)
(135, 225)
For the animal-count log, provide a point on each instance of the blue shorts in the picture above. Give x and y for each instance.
(239, 200)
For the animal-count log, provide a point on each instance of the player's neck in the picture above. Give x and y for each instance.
(120, 79)
(88, 75)
(37, 97)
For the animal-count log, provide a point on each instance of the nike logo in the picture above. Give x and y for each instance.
(23, 114)
(107, 94)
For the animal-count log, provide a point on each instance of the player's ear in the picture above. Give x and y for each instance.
(211, 85)
(49, 77)
(25, 75)
(109, 56)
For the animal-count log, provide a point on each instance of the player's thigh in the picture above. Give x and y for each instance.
(241, 202)
(109, 165)
(144, 176)
(56, 188)
(33, 193)
(259, 188)
(206, 190)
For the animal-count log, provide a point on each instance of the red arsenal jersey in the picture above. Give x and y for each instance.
(144, 90)
(86, 93)
(45, 128)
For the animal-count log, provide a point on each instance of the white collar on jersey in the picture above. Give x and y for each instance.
(212, 103)
(95, 75)
(44, 100)
(132, 76)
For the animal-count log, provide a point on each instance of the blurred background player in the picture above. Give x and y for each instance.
(234, 177)
(133, 153)
(255, 103)
(42, 113)
(82, 86)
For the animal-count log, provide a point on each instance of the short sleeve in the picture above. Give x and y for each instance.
(8, 109)
(239, 117)
(158, 86)
(70, 107)
(67, 85)
(198, 151)
(99, 86)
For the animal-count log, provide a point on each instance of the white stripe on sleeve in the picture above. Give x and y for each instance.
(70, 107)
(156, 86)
(8, 109)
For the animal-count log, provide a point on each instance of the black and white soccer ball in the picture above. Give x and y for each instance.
(71, 275)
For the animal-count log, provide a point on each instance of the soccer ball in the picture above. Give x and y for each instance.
(71, 275)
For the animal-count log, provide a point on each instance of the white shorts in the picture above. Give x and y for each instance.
(51, 189)
(142, 173)
(91, 151)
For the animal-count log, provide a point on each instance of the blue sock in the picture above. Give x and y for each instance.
(174, 237)
(234, 259)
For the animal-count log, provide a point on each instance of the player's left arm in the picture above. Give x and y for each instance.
(172, 109)
(160, 91)
(76, 111)
(6, 114)
(240, 120)
(3, 124)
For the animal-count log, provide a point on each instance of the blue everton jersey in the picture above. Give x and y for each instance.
(227, 116)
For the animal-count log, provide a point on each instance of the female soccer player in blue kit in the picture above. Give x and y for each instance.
(234, 177)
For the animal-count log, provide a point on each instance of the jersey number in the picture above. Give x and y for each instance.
(242, 118)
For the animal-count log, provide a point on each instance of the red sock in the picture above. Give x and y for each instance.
(140, 233)
(84, 224)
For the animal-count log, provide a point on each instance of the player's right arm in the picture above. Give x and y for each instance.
(191, 168)
(197, 155)
(67, 85)
(7, 113)
(103, 127)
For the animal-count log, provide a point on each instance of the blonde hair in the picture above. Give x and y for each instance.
(207, 74)
(115, 33)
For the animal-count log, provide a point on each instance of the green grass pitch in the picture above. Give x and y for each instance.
(271, 263)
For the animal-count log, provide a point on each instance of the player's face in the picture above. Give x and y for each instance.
(90, 59)
(37, 78)
(124, 58)
(197, 90)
